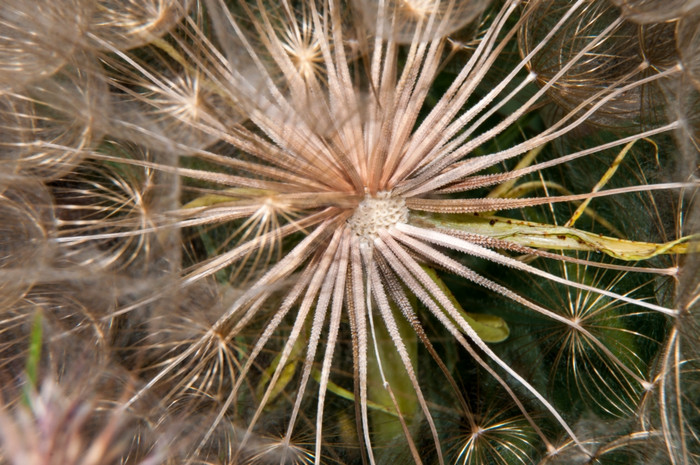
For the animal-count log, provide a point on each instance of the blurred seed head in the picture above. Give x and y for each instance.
(126, 24)
(117, 200)
(402, 20)
(611, 446)
(49, 125)
(628, 54)
(36, 39)
(654, 11)
(688, 43)
(25, 231)
(54, 427)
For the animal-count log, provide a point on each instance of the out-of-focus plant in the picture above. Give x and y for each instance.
(439, 231)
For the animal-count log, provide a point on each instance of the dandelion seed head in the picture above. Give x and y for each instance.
(378, 213)
(257, 163)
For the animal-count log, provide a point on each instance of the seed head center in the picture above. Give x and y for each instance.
(376, 213)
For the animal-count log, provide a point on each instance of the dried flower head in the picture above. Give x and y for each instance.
(291, 192)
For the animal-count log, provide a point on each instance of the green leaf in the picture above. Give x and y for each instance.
(387, 428)
(345, 394)
(34, 355)
(226, 195)
(287, 372)
(31, 368)
(549, 236)
(490, 328)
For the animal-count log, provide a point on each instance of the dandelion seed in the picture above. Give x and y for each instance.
(496, 438)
